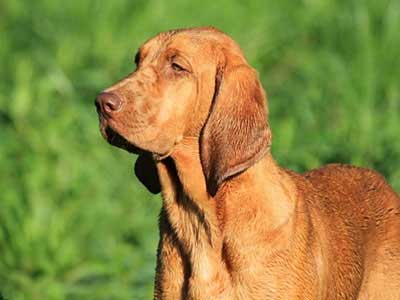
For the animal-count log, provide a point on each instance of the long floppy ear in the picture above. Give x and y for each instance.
(146, 172)
(236, 134)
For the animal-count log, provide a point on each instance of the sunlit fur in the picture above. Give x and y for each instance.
(234, 225)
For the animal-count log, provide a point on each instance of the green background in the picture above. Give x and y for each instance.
(74, 221)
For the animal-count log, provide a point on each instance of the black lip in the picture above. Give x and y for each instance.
(115, 139)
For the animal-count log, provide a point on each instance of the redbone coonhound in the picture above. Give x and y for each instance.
(234, 225)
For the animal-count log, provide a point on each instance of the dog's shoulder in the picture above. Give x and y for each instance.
(344, 177)
(340, 177)
(348, 189)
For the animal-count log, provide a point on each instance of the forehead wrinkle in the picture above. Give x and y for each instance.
(188, 37)
(188, 43)
(187, 46)
(213, 38)
(193, 36)
(155, 46)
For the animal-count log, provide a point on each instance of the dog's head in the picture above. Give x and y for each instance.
(191, 83)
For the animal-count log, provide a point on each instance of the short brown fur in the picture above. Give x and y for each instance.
(234, 225)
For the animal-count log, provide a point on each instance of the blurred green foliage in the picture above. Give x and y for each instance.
(74, 222)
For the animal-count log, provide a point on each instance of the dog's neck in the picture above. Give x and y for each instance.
(199, 220)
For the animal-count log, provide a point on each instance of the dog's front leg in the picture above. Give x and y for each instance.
(171, 277)
(218, 289)
(209, 278)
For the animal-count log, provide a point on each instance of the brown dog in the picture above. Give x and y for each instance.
(234, 225)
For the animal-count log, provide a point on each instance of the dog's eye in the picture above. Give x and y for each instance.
(177, 67)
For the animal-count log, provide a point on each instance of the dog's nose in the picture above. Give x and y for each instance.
(108, 102)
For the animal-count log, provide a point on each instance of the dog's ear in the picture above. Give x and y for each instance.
(236, 134)
(146, 172)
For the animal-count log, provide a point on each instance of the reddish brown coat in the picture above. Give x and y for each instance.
(234, 225)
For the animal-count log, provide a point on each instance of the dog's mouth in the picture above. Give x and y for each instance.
(117, 140)
(113, 137)
(145, 169)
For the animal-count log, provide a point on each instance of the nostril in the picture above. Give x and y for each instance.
(108, 102)
(112, 103)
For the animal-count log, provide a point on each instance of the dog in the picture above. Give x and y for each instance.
(234, 224)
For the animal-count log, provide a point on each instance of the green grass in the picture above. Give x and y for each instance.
(74, 222)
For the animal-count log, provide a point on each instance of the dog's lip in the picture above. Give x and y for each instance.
(117, 140)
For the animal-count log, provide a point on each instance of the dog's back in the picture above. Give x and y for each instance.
(361, 229)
